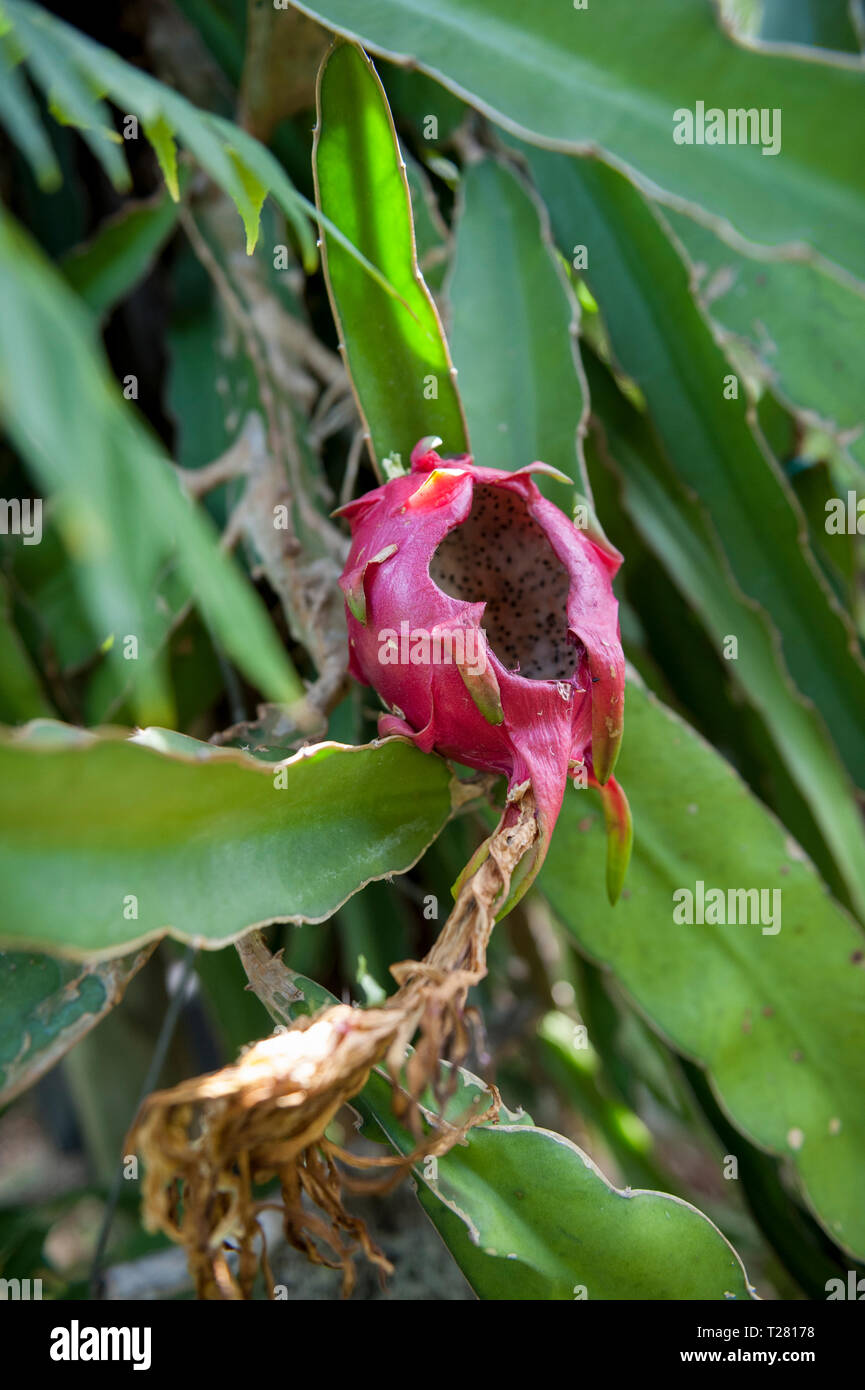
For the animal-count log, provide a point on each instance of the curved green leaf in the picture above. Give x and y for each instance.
(527, 1215)
(107, 842)
(610, 77)
(777, 1018)
(393, 346)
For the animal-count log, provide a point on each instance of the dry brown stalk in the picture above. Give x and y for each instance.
(208, 1142)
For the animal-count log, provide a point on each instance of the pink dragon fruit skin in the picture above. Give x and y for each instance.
(454, 548)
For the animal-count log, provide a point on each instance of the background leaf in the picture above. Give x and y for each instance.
(73, 66)
(804, 327)
(660, 339)
(513, 331)
(823, 23)
(778, 1021)
(20, 119)
(21, 696)
(48, 1005)
(675, 526)
(121, 511)
(110, 265)
(580, 80)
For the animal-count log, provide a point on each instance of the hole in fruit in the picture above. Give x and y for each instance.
(500, 556)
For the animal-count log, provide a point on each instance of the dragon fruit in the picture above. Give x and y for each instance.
(485, 620)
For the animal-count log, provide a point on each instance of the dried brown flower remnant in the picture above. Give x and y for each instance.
(207, 1143)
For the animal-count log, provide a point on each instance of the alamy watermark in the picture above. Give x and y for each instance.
(419, 646)
(759, 907)
(735, 126)
(21, 518)
(845, 516)
(77, 1343)
(17, 1290)
(854, 1289)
